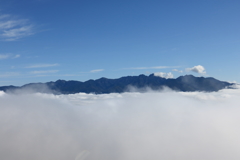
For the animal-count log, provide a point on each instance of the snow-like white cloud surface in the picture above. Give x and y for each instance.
(155, 125)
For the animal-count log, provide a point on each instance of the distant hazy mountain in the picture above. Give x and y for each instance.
(185, 83)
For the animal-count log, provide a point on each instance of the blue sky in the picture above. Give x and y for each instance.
(47, 40)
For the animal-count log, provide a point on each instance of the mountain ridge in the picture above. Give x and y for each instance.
(187, 83)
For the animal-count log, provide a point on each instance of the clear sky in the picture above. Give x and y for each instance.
(47, 40)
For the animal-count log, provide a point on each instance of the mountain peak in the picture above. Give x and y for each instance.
(105, 85)
(60, 81)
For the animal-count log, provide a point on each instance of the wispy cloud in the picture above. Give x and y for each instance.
(4, 16)
(96, 70)
(4, 56)
(9, 55)
(44, 72)
(17, 56)
(17, 33)
(9, 74)
(12, 28)
(155, 67)
(42, 65)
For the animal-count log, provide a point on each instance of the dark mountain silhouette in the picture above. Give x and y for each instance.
(185, 83)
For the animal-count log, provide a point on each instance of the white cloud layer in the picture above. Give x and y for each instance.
(155, 125)
(198, 69)
(164, 75)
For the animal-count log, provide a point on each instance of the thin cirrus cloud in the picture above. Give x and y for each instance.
(44, 72)
(17, 56)
(12, 29)
(4, 56)
(7, 56)
(9, 74)
(96, 70)
(42, 65)
(197, 69)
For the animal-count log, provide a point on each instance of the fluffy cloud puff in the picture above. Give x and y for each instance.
(176, 70)
(198, 69)
(155, 125)
(164, 75)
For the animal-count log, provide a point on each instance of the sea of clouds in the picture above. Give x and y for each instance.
(163, 125)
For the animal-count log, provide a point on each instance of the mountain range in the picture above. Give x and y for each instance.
(187, 83)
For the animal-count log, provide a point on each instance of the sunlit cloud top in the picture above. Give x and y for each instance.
(127, 126)
(197, 69)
